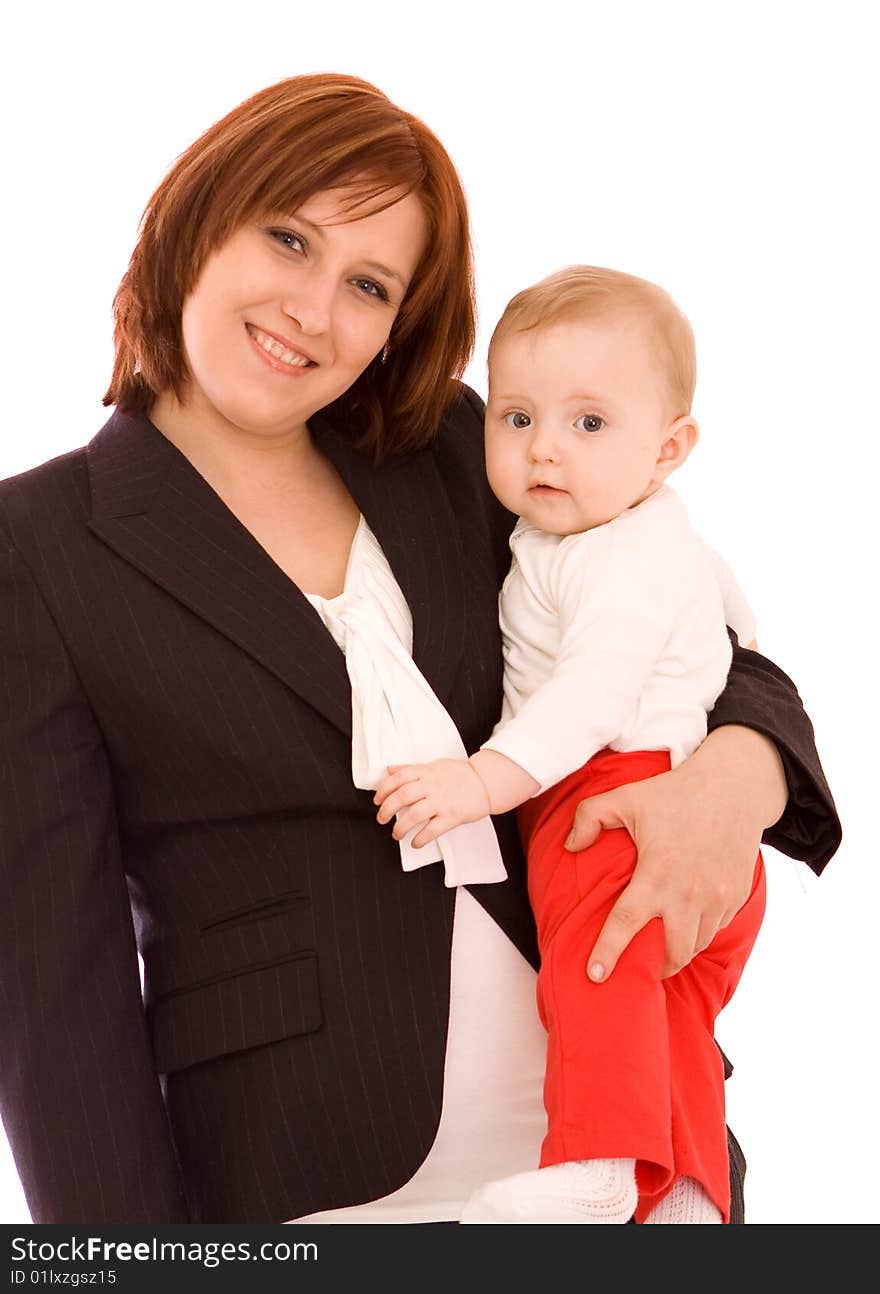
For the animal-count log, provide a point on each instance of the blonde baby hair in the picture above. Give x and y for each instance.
(591, 291)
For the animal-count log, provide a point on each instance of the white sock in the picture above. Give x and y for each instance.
(585, 1191)
(685, 1202)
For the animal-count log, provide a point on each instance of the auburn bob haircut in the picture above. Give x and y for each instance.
(269, 155)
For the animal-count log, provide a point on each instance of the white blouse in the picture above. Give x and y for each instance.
(492, 1120)
(396, 717)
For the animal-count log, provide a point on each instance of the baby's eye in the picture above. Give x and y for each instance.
(590, 422)
(517, 419)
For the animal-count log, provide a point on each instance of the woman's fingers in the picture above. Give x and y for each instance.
(678, 877)
(686, 931)
(696, 837)
(623, 923)
(599, 813)
(683, 932)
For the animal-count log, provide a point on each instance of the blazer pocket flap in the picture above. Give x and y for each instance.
(248, 1009)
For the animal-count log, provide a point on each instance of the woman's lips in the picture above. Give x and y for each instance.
(280, 358)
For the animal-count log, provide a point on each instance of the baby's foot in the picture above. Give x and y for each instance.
(686, 1202)
(588, 1190)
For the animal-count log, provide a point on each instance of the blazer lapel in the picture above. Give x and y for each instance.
(153, 508)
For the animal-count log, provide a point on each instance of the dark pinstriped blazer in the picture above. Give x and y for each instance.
(175, 776)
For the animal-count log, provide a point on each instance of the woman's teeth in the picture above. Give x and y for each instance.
(277, 351)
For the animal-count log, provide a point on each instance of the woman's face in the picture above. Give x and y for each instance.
(289, 312)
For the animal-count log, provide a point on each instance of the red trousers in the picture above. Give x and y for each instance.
(632, 1067)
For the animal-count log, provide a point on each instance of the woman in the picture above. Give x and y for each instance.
(176, 756)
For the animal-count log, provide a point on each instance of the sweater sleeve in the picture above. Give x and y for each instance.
(738, 613)
(75, 1049)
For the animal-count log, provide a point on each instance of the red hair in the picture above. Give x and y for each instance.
(271, 154)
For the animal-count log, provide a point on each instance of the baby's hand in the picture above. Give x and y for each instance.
(441, 795)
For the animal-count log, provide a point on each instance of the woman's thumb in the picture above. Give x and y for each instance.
(596, 813)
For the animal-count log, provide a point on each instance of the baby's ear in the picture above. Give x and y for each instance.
(678, 442)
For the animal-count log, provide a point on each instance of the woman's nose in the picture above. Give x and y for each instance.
(309, 303)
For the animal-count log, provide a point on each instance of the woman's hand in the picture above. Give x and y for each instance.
(442, 794)
(697, 830)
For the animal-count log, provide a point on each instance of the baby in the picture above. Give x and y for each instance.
(615, 648)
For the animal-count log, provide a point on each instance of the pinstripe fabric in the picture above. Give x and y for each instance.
(174, 776)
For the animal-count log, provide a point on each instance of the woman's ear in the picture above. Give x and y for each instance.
(678, 441)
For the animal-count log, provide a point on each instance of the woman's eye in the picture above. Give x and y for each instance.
(517, 419)
(371, 288)
(590, 422)
(288, 238)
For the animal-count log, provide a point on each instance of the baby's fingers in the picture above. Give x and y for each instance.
(404, 796)
(416, 815)
(436, 827)
(396, 776)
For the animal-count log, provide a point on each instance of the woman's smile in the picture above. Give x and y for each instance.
(278, 355)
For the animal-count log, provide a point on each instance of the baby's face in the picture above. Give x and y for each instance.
(575, 419)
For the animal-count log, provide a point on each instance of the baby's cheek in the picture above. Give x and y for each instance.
(502, 477)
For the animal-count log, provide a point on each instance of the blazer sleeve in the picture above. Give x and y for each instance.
(759, 695)
(79, 1095)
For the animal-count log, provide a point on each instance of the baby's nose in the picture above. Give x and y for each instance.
(543, 447)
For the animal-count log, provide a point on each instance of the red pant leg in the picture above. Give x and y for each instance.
(632, 1066)
(694, 999)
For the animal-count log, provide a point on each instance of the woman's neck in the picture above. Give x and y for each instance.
(233, 458)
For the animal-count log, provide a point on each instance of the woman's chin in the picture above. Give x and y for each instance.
(264, 418)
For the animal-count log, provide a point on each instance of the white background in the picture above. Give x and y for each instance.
(727, 152)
